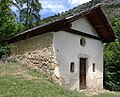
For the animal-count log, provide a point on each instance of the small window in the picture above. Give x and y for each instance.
(93, 67)
(82, 41)
(72, 66)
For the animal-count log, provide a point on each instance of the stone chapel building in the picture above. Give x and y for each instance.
(68, 49)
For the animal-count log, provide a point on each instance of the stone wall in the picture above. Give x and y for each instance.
(36, 53)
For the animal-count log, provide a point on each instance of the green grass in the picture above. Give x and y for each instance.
(18, 81)
(115, 94)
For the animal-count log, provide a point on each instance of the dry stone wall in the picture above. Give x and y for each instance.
(36, 53)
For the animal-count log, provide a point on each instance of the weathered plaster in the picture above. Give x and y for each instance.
(68, 49)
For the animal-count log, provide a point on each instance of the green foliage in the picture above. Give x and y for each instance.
(8, 26)
(112, 60)
(28, 12)
(112, 66)
(116, 26)
(28, 16)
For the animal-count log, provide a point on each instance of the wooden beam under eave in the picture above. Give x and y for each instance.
(82, 34)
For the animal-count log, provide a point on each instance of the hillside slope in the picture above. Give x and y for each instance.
(110, 7)
(18, 81)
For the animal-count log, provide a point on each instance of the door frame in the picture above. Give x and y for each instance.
(86, 71)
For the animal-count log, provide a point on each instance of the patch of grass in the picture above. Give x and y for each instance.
(115, 94)
(18, 81)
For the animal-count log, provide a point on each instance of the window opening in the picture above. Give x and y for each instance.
(72, 67)
(93, 67)
(82, 41)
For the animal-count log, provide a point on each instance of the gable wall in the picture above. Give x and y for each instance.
(68, 49)
(84, 25)
(36, 52)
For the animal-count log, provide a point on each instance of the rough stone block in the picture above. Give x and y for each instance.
(52, 66)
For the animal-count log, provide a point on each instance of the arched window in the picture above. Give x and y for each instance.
(82, 41)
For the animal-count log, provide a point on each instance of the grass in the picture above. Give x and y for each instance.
(18, 81)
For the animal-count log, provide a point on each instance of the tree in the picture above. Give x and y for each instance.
(8, 26)
(28, 16)
(112, 60)
(28, 12)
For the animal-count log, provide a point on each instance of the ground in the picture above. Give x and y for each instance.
(17, 80)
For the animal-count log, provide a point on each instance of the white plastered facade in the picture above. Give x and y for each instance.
(67, 49)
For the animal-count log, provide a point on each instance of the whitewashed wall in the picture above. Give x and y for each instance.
(68, 49)
(84, 25)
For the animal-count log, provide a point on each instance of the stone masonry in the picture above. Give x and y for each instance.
(36, 53)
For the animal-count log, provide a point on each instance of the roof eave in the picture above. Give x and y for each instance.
(105, 32)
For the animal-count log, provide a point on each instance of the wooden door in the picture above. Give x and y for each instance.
(82, 73)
